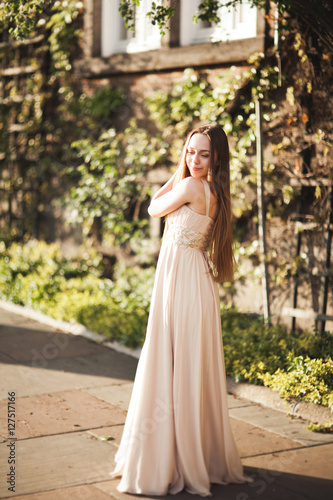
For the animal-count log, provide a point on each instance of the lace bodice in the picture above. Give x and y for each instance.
(180, 231)
(187, 228)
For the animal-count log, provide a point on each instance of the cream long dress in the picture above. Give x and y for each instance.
(177, 433)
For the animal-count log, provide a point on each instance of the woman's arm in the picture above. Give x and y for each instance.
(167, 200)
(165, 188)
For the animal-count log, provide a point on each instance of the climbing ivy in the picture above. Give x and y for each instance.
(110, 183)
(23, 16)
(52, 111)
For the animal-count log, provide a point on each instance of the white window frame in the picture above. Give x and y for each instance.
(147, 37)
(236, 24)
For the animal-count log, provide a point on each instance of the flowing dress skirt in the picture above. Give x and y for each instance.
(177, 433)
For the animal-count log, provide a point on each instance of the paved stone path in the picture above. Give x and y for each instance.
(71, 397)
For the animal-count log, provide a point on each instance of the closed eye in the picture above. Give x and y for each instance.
(205, 155)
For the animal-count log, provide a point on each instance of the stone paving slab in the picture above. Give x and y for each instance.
(34, 345)
(59, 413)
(84, 492)
(273, 421)
(20, 318)
(108, 365)
(59, 461)
(253, 441)
(235, 402)
(89, 358)
(63, 374)
(28, 381)
(118, 395)
(114, 432)
(304, 460)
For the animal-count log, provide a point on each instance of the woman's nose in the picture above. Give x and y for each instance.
(196, 158)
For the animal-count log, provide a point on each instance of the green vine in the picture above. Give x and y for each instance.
(53, 110)
(110, 183)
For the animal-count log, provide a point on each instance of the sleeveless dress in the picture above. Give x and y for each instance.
(177, 433)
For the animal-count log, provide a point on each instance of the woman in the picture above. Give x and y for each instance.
(177, 433)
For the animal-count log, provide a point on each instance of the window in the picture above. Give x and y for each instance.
(117, 39)
(236, 24)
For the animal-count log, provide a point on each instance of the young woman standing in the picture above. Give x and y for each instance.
(177, 433)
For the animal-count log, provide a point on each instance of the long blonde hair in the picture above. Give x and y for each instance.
(221, 244)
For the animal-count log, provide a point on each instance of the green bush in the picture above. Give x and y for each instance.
(91, 302)
(33, 273)
(253, 348)
(40, 276)
(307, 379)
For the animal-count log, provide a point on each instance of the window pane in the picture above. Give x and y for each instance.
(116, 38)
(236, 23)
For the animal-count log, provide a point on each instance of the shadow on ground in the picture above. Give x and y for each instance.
(55, 350)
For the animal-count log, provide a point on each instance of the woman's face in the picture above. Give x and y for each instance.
(198, 156)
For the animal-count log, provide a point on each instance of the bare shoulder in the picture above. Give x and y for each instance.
(191, 184)
(195, 194)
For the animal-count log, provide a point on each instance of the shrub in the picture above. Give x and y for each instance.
(307, 379)
(40, 276)
(252, 348)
